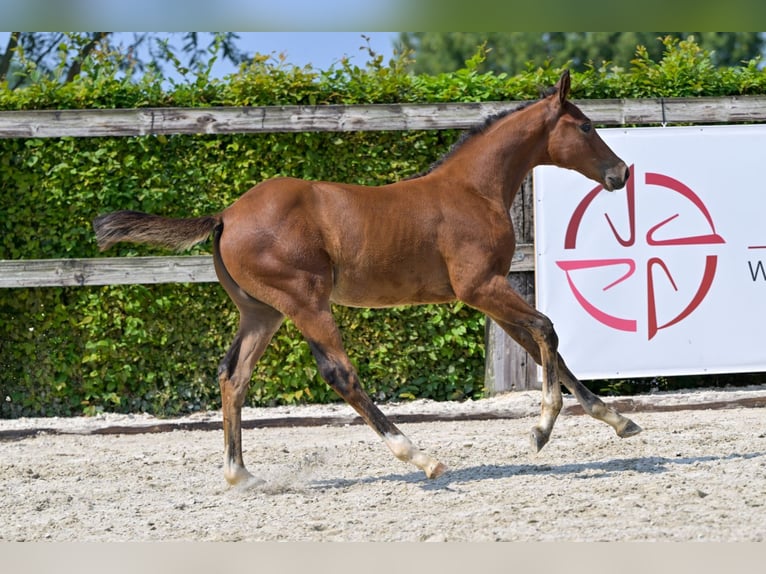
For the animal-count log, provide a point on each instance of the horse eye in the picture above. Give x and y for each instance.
(586, 127)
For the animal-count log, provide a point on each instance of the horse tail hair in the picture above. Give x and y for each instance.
(137, 227)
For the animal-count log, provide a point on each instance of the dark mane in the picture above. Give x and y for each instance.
(478, 129)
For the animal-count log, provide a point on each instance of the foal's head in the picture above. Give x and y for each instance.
(574, 144)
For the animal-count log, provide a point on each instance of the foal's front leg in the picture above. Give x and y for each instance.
(595, 407)
(542, 332)
(497, 299)
(591, 404)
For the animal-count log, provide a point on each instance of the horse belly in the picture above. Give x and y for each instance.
(375, 289)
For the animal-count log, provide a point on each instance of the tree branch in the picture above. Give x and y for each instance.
(5, 61)
(76, 67)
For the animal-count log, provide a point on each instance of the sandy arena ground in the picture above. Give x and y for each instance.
(695, 473)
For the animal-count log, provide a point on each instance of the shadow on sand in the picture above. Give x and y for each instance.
(651, 465)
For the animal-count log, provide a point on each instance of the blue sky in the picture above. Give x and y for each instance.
(320, 49)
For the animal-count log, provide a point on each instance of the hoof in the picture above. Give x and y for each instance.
(436, 471)
(537, 439)
(239, 477)
(248, 483)
(629, 430)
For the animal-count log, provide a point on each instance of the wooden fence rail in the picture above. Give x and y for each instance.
(106, 271)
(508, 366)
(144, 270)
(340, 118)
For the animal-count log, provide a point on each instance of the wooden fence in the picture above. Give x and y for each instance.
(508, 367)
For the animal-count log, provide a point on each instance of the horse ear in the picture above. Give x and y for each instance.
(563, 85)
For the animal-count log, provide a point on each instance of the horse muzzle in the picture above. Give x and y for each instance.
(616, 177)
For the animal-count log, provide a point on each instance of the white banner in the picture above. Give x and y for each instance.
(668, 275)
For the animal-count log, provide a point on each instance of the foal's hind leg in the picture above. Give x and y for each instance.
(591, 403)
(258, 323)
(324, 339)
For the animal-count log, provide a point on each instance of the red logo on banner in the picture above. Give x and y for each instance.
(653, 264)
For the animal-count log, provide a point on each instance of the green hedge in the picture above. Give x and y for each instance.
(155, 348)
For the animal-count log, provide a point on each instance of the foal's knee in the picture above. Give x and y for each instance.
(544, 334)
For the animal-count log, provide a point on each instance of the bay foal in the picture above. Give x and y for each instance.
(290, 248)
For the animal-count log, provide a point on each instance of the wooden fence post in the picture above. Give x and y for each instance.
(508, 367)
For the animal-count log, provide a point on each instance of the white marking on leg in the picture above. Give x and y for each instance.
(403, 449)
(239, 476)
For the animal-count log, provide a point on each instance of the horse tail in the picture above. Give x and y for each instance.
(137, 227)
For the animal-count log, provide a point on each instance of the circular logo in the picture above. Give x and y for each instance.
(656, 237)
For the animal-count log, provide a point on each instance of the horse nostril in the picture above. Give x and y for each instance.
(617, 180)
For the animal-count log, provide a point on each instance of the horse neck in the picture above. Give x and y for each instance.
(495, 162)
